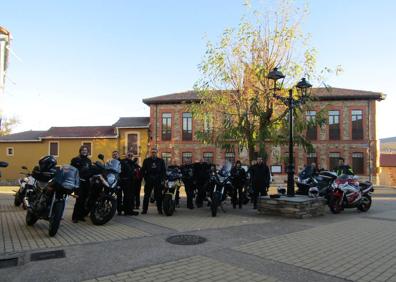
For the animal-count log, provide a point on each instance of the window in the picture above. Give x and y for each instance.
(186, 158)
(334, 125)
(333, 160)
(311, 158)
(357, 124)
(166, 126)
(312, 133)
(167, 157)
(358, 163)
(187, 127)
(208, 157)
(54, 148)
(230, 156)
(132, 143)
(89, 146)
(10, 151)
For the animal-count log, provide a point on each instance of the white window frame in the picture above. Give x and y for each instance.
(82, 143)
(12, 154)
(138, 141)
(49, 148)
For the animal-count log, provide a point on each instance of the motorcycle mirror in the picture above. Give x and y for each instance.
(101, 157)
(3, 164)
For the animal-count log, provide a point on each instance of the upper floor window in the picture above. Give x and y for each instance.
(166, 126)
(208, 157)
(187, 127)
(358, 163)
(333, 160)
(357, 124)
(187, 158)
(312, 133)
(167, 157)
(54, 148)
(334, 125)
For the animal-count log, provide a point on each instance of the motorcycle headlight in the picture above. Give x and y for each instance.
(171, 183)
(111, 179)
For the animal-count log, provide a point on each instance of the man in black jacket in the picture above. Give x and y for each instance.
(260, 177)
(127, 182)
(238, 180)
(188, 181)
(201, 178)
(83, 164)
(137, 184)
(154, 172)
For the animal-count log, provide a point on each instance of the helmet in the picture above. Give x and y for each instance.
(281, 190)
(313, 192)
(47, 163)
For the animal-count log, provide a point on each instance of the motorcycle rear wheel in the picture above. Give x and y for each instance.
(365, 203)
(103, 210)
(31, 218)
(55, 219)
(168, 205)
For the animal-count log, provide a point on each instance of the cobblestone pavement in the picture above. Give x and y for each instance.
(199, 268)
(358, 250)
(16, 236)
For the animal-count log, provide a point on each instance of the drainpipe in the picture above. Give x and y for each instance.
(369, 138)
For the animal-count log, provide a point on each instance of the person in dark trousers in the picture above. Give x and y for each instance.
(238, 175)
(137, 183)
(154, 172)
(83, 164)
(201, 178)
(188, 181)
(116, 155)
(260, 178)
(343, 168)
(127, 184)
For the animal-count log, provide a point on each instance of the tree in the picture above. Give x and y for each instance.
(234, 85)
(7, 125)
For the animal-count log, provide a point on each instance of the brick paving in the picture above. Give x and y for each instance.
(16, 236)
(357, 250)
(199, 268)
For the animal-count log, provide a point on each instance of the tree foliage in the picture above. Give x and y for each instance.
(7, 125)
(236, 95)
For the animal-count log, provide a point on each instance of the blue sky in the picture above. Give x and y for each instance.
(90, 62)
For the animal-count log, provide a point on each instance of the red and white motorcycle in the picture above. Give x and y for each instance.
(347, 192)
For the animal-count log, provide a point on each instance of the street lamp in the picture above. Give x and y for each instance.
(303, 87)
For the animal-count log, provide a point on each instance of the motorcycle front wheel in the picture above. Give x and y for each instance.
(55, 219)
(17, 200)
(215, 203)
(103, 210)
(365, 203)
(334, 205)
(31, 218)
(168, 205)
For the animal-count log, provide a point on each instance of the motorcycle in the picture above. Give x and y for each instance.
(48, 201)
(3, 164)
(220, 185)
(101, 202)
(347, 192)
(171, 190)
(314, 185)
(26, 183)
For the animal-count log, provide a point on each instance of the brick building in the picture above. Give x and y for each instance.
(350, 132)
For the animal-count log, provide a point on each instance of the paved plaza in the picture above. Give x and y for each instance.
(240, 246)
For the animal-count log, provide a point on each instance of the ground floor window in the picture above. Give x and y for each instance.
(186, 158)
(167, 157)
(208, 157)
(54, 148)
(10, 151)
(230, 156)
(333, 160)
(358, 163)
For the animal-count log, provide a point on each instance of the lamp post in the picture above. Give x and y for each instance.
(302, 87)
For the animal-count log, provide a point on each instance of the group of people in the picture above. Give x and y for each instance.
(195, 177)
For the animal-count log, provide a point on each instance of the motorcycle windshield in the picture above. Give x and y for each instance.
(226, 169)
(111, 179)
(113, 165)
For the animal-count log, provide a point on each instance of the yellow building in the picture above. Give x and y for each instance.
(26, 148)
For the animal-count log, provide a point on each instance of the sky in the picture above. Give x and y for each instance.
(91, 62)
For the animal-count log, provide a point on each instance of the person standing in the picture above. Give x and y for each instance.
(127, 184)
(116, 156)
(343, 168)
(260, 178)
(238, 180)
(83, 164)
(201, 178)
(154, 172)
(188, 181)
(137, 184)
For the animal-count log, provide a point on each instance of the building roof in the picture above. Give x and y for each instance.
(323, 94)
(80, 131)
(388, 140)
(31, 135)
(388, 160)
(133, 122)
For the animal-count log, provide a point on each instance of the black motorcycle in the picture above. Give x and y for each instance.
(220, 185)
(171, 190)
(314, 185)
(102, 203)
(48, 201)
